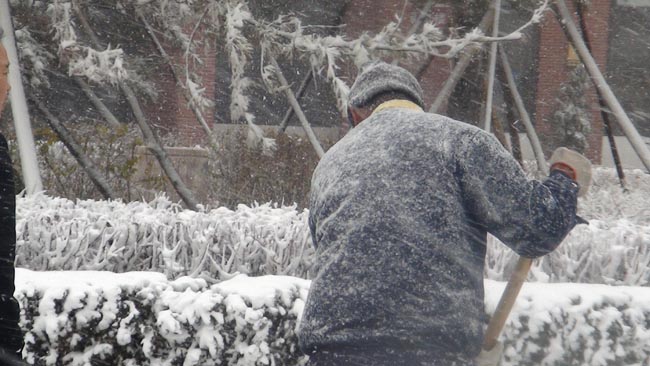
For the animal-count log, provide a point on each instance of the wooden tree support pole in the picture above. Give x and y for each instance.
(499, 131)
(608, 96)
(152, 141)
(459, 69)
(296, 108)
(77, 152)
(94, 99)
(301, 91)
(154, 145)
(516, 144)
(188, 98)
(523, 114)
(492, 66)
(603, 113)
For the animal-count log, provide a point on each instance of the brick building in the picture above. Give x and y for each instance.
(547, 55)
(556, 59)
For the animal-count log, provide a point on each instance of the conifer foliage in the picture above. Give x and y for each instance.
(572, 118)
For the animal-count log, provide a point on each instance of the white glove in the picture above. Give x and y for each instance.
(491, 357)
(575, 165)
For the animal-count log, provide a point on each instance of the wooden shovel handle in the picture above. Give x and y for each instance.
(508, 299)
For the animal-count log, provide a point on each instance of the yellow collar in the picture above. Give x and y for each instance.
(397, 103)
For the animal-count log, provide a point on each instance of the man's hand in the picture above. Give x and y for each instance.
(491, 357)
(574, 165)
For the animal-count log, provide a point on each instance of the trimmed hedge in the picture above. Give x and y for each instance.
(564, 324)
(59, 234)
(140, 319)
(83, 318)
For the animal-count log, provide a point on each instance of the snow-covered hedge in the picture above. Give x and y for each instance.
(59, 234)
(575, 324)
(141, 319)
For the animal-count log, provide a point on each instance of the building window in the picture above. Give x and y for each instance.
(634, 3)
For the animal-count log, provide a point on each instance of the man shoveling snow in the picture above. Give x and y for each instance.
(400, 209)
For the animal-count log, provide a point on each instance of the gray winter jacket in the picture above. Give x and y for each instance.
(399, 213)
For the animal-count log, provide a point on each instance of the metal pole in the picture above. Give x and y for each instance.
(24, 136)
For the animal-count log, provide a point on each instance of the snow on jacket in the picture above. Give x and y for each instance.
(400, 209)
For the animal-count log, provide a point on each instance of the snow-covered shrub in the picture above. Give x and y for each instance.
(571, 119)
(59, 234)
(568, 324)
(140, 319)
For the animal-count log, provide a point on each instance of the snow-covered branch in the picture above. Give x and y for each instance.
(97, 65)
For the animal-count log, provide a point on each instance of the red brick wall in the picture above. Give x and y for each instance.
(171, 112)
(554, 69)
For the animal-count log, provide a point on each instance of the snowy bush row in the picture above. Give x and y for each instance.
(141, 319)
(59, 234)
(575, 324)
(615, 252)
